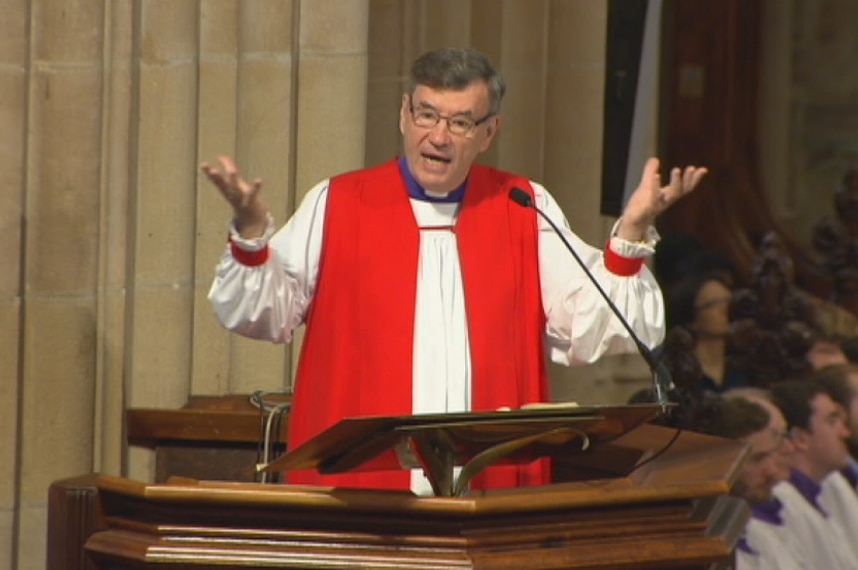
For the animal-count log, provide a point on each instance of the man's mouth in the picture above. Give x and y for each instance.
(436, 158)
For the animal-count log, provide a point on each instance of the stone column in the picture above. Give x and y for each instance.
(161, 214)
(248, 57)
(55, 74)
(14, 77)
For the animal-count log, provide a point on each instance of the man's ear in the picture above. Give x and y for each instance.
(492, 127)
(404, 112)
(800, 438)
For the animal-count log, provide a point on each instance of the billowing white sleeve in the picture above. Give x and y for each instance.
(270, 301)
(580, 325)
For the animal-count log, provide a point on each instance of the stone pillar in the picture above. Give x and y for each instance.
(57, 79)
(573, 106)
(248, 58)
(14, 64)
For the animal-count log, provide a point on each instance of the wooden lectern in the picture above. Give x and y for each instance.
(631, 507)
(438, 443)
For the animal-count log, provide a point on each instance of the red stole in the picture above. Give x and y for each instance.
(356, 358)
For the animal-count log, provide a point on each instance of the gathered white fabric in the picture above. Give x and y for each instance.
(772, 549)
(819, 539)
(839, 499)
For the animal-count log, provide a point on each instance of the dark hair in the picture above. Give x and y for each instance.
(681, 298)
(455, 68)
(793, 397)
(679, 255)
(835, 380)
(733, 418)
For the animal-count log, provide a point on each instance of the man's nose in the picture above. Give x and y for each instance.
(440, 134)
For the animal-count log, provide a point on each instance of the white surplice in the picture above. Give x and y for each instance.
(771, 547)
(269, 301)
(818, 538)
(839, 499)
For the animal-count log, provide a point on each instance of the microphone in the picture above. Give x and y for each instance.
(662, 381)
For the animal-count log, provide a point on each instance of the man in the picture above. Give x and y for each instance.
(841, 382)
(819, 436)
(771, 444)
(749, 416)
(423, 287)
(838, 494)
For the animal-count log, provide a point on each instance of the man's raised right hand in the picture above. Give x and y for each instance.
(251, 214)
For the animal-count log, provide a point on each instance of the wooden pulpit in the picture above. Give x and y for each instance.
(652, 498)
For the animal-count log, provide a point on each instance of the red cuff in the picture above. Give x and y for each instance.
(621, 265)
(249, 258)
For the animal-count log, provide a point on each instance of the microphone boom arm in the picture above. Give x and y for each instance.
(661, 375)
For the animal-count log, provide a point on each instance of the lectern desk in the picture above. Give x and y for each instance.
(438, 443)
(673, 512)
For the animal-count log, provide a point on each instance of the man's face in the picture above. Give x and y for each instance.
(768, 461)
(824, 444)
(439, 160)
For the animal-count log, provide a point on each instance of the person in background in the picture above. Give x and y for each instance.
(700, 303)
(679, 255)
(841, 383)
(423, 287)
(825, 351)
(818, 433)
(747, 415)
(839, 494)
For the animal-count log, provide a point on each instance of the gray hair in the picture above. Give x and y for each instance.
(454, 68)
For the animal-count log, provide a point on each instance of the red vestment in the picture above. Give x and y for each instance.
(356, 357)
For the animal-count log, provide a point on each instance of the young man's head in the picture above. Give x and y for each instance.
(816, 424)
(841, 382)
(449, 116)
(758, 423)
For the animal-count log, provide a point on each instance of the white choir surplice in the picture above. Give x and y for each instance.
(770, 547)
(819, 539)
(839, 499)
(270, 301)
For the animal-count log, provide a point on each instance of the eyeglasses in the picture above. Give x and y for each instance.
(459, 125)
(781, 437)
